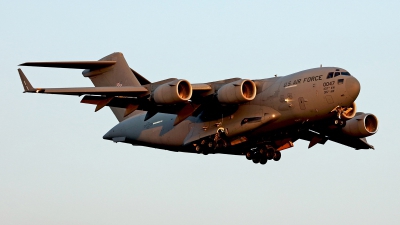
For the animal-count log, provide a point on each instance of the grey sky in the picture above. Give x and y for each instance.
(55, 168)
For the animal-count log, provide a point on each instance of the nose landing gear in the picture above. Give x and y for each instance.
(343, 114)
(340, 123)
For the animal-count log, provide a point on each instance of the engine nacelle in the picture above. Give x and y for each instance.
(173, 92)
(236, 92)
(362, 125)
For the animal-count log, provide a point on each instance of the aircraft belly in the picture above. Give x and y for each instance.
(157, 131)
(246, 118)
(165, 135)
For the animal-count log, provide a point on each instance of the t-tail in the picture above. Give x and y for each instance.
(119, 74)
(110, 71)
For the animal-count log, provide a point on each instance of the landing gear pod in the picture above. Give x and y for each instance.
(236, 92)
(173, 92)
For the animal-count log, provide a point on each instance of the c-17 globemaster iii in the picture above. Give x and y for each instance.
(254, 118)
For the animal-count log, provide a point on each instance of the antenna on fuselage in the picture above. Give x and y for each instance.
(320, 65)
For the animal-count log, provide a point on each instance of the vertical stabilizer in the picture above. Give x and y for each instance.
(119, 74)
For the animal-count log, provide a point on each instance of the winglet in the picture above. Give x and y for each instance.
(25, 82)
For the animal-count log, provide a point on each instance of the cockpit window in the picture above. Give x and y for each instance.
(335, 74)
(346, 74)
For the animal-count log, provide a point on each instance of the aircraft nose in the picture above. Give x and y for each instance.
(352, 87)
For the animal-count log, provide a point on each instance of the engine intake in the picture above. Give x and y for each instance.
(173, 92)
(362, 125)
(236, 92)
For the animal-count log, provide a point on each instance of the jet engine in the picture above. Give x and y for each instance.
(173, 92)
(362, 125)
(239, 91)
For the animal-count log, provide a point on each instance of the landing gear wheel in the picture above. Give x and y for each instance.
(262, 151)
(263, 160)
(256, 158)
(198, 149)
(277, 156)
(340, 123)
(205, 151)
(270, 154)
(249, 155)
(221, 144)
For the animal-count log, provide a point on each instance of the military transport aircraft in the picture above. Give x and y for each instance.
(254, 118)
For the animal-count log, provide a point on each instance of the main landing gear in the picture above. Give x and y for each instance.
(262, 155)
(212, 143)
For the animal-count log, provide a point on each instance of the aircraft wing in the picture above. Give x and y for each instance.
(354, 142)
(109, 91)
(321, 137)
(127, 97)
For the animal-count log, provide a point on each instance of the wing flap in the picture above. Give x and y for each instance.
(354, 142)
(316, 137)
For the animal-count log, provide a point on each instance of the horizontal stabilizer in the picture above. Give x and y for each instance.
(72, 64)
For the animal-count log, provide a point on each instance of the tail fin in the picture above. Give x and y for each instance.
(119, 74)
(115, 75)
(109, 71)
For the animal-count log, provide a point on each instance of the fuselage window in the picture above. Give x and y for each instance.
(330, 75)
(337, 74)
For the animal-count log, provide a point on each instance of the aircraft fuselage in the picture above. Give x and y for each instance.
(303, 97)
